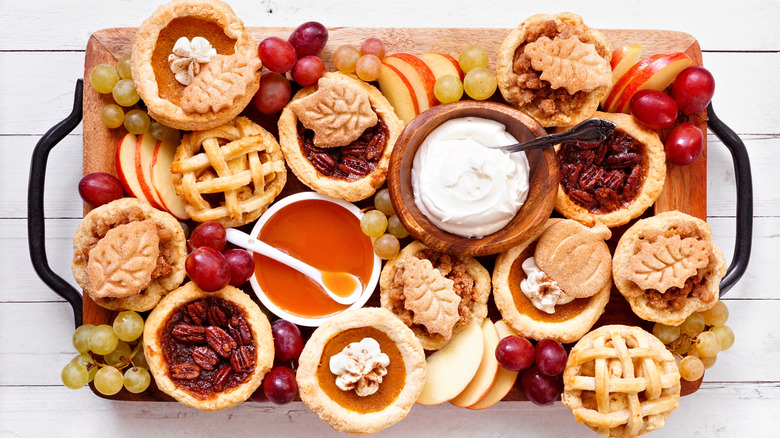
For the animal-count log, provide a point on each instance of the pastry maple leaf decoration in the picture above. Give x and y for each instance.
(667, 262)
(569, 63)
(338, 112)
(430, 296)
(122, 262)
(219, 83)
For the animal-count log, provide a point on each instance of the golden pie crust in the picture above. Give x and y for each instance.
(566, 331)
(649, 190)
(172, 251)
(329, 410)
(701, 297)
(474, 310)
(352, 190)
(159, 366)
(567, 24)
(144, 76)
(621, 381)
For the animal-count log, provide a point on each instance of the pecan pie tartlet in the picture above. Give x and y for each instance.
(208, 350)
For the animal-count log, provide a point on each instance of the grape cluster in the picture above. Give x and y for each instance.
(365, 62)
(383, 226)
(697, 341)
(541, 366)
(104, 352)
(279, 385)
(209, 267)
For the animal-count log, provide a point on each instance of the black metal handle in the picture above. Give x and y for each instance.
(36, 232)
(744, 235)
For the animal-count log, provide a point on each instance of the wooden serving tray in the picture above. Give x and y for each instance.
(685, 188)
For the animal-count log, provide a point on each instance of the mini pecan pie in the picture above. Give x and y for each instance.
(392, 364)
(337, 137)
(668, 267)
(209, 351)
(459, 285)
(612, 181)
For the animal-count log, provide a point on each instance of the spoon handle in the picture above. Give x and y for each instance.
(589, 131)
(246, 241)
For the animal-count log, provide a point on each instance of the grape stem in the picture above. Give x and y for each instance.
(126, 361)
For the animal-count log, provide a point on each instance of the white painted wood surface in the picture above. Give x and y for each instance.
(41, 55)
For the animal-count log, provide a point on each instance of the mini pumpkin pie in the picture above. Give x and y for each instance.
(208, 350)
(613, 181)
(435, 294)
(668, 267)
(127, 255)
(361, 371)
(621, 381)
(194, 64)
(229, 174)
(337, 137)
(555, 68)
(556, 284)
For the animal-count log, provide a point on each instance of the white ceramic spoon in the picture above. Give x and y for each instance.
(323, 278)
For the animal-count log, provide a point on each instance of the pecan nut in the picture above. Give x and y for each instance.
(323, 162)
(243, 359)
(220, 340)
(221, 377)
(355, 166)
(353, 150)
(240, 330)
(185, 371)
(197, 312)
(216, 316)
(189, 333)
(205, 357)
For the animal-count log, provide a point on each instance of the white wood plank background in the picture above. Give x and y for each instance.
(42, 53)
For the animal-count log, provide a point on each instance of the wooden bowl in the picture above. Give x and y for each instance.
(529, 219)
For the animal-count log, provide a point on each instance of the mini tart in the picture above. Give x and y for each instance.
(154, 41)
(701, 291)
(301, 159)
(472, 308)
(563, 109)
(344, 410)
(173, 251)
(627, 189)
(243, 324)
(569, 322)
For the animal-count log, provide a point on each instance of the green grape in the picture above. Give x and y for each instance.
(725, 335)
(448, 88)
(87, 360)
(345, 58)
(103, 78)
(717, 315)
(382, 202)
(681, 345)
(108, 381)
(691, 368)
(708, 361)
(387, 246)
(139, 359)
(162, 132)
(707, 344)
(103, 340)
(136, 379)
(666, 333)
(75, 375)
(693, 325)
(480, 83)
(123, 68)
(472, 57)
(112, 115)
(136, 121)
(81, 337)
(128, 326)
(124, 93)
(119, 356)
(373, 223)
(396, 228)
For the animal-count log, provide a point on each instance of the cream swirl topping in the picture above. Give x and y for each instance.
(543, 292)
(360, 366)
(187, 57)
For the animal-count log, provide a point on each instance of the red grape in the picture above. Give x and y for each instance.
(653, 108)
(540, 389)
(211, 234)
(259, 395)
(100, 188)
(309, 38)
(273, 94)
(693, 89)
(208, 268)
(288, 342)
(277, 54)
(550, 357)
(280, 386)
(515, 353)
(242, 266)
(373, 46)
(684, 144)
(308, 70)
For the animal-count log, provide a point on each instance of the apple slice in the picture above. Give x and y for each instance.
(399, 92)
(505, 379)
(126, 168)
(449, 370)
(620, 84)
(622, 60)
(656, 76)
(442, 64)
(488, 368)
(163, 182)
(419, 76)
(144, 154)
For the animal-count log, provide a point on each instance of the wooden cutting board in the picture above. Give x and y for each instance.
(685, 188)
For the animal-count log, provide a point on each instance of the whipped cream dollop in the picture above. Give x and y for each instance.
(360, 366)
(463, 184)
(187, 57)
(543, 292)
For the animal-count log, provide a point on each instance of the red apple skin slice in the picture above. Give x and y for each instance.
(442, 64)
(126, 168)
(144, 154)
(162, 180)
(622, 60)
(627, 77)
(419, 76)
(399, 92)
(662, 73)
(505, 379)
